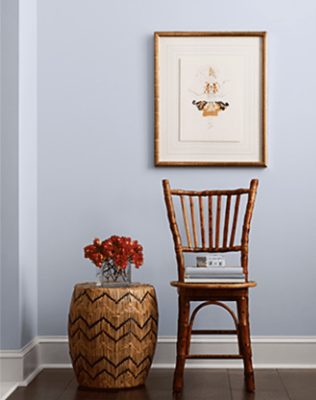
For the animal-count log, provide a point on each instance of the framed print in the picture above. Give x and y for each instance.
(210, 98)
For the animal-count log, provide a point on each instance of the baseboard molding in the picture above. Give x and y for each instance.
(268, 352)
(19, 367)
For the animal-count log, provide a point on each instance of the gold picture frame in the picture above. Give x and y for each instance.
(210, 99)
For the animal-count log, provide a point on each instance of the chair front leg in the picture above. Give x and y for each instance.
(245, 342)
(182, 343)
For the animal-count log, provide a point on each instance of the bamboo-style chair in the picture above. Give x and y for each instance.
(207, 228)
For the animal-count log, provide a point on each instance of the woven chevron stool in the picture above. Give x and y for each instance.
(112, 334)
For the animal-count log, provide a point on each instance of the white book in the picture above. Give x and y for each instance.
(210, 260)
(213, 270)
(214, 280)
(241, 276)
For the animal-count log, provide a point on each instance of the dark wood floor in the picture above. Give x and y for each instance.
(60, 384)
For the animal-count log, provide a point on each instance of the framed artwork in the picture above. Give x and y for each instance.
(210, 98)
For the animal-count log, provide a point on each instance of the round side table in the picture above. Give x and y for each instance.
(112, 334)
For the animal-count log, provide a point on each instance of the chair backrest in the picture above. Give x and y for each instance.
(210, 221)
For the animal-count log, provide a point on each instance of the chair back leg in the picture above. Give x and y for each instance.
(182, 343)
(244, 342)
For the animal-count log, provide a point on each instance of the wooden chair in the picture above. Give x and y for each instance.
(208, 228)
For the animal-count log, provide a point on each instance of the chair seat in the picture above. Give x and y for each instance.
(190, 285)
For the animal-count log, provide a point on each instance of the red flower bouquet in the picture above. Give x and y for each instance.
(114, 256)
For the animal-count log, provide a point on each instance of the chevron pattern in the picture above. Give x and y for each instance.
(112, 334)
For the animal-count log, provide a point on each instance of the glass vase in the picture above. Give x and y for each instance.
(110, 275)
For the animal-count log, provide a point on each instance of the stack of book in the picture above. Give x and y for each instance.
(213, 271)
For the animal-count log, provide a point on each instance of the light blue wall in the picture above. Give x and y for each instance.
(9, 271)
(18, 269)
(95, 147)
(28, 168)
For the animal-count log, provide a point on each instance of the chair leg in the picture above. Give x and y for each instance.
(183, 330)
(244, 342)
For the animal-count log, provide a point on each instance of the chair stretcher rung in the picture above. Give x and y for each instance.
(214, 356)
(213, 332)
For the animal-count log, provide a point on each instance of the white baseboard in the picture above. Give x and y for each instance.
(19, 367)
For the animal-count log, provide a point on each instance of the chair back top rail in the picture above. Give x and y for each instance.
(186, 249)
(180, 192)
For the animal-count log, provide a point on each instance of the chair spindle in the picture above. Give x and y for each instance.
(218, 220)
(202, 221)
(186, 222)
(210, 221)
(235, 218)
(226, 225)
(195, 237)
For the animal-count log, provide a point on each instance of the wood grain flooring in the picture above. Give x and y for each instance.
(212, 384)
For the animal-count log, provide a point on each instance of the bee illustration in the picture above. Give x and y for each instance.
(210, 108)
